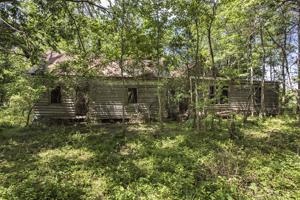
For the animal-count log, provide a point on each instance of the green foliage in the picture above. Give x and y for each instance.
(20, 90)
(102, 163)
(189, 36)
(96, 163)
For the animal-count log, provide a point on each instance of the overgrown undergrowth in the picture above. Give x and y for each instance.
(149, 163)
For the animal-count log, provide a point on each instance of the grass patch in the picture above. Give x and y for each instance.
(149, 163)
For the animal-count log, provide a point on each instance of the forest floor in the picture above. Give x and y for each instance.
(151, 163)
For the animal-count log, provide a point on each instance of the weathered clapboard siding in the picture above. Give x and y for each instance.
(271, 98)
(44, 109)
(239, 98)
(106, 98)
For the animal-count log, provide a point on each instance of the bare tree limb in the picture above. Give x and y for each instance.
(76, 26)
(10, 26)
(91, 3)
(283, 50)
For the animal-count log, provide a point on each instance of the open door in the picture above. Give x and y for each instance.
(81, 107)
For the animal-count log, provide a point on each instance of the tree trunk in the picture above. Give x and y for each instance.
(299, 61)
(121, 63)
(283, 74)
(214, 73)
(158, 28)
(191, 93)
(282, 101)
(262, 102)
(209, 28)
(28, 116)
(197, 119)
(284, 66)
(197, 106)
(251, 105)
(76, 26)
(213, 67)
(271, 68)
(232, 127)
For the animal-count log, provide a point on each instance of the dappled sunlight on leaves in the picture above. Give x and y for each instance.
(66, 153)
(177, 163)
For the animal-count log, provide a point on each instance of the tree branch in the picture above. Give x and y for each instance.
(91, 3)
(10, 26)
(76, 26)
(285, 56)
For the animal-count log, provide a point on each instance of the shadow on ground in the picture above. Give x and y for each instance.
(172, 162)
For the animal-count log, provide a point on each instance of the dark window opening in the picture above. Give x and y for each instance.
(257, 95)
(218, 96)
(172, 92)
(81, 107)
(212, 92)
(183, 105)
(2, 97)
(132, 95)
(224, 95)
(56, 95)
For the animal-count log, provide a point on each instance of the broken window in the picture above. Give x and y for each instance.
(132, 95)
(56, 95)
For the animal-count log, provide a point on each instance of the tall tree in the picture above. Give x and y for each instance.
(298, 6)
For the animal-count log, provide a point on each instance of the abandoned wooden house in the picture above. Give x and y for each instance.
(225, 96)
(102, 96)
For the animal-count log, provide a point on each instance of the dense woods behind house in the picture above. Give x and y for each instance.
(133, 85)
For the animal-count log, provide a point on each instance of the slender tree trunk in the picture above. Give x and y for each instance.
(160, 110)
(284, 67)
(262, 103)
(76, 26)
(214, 73)
(252, 91)
(282, 102)
(209, 37)
(197, 119)
(213, 66)
(191, 90)
(197, 46)
(121, 63)
(299, 61)
(28, 116)
(251, 104)
(197, 106)
(191, 110)
(271, 68)
(283, 72)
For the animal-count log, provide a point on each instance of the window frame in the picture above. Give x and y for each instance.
(212, 92)
(217, 95)
(224, 99)
(59, 98)
(134, 91)
(257, 95)
(81, 101)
